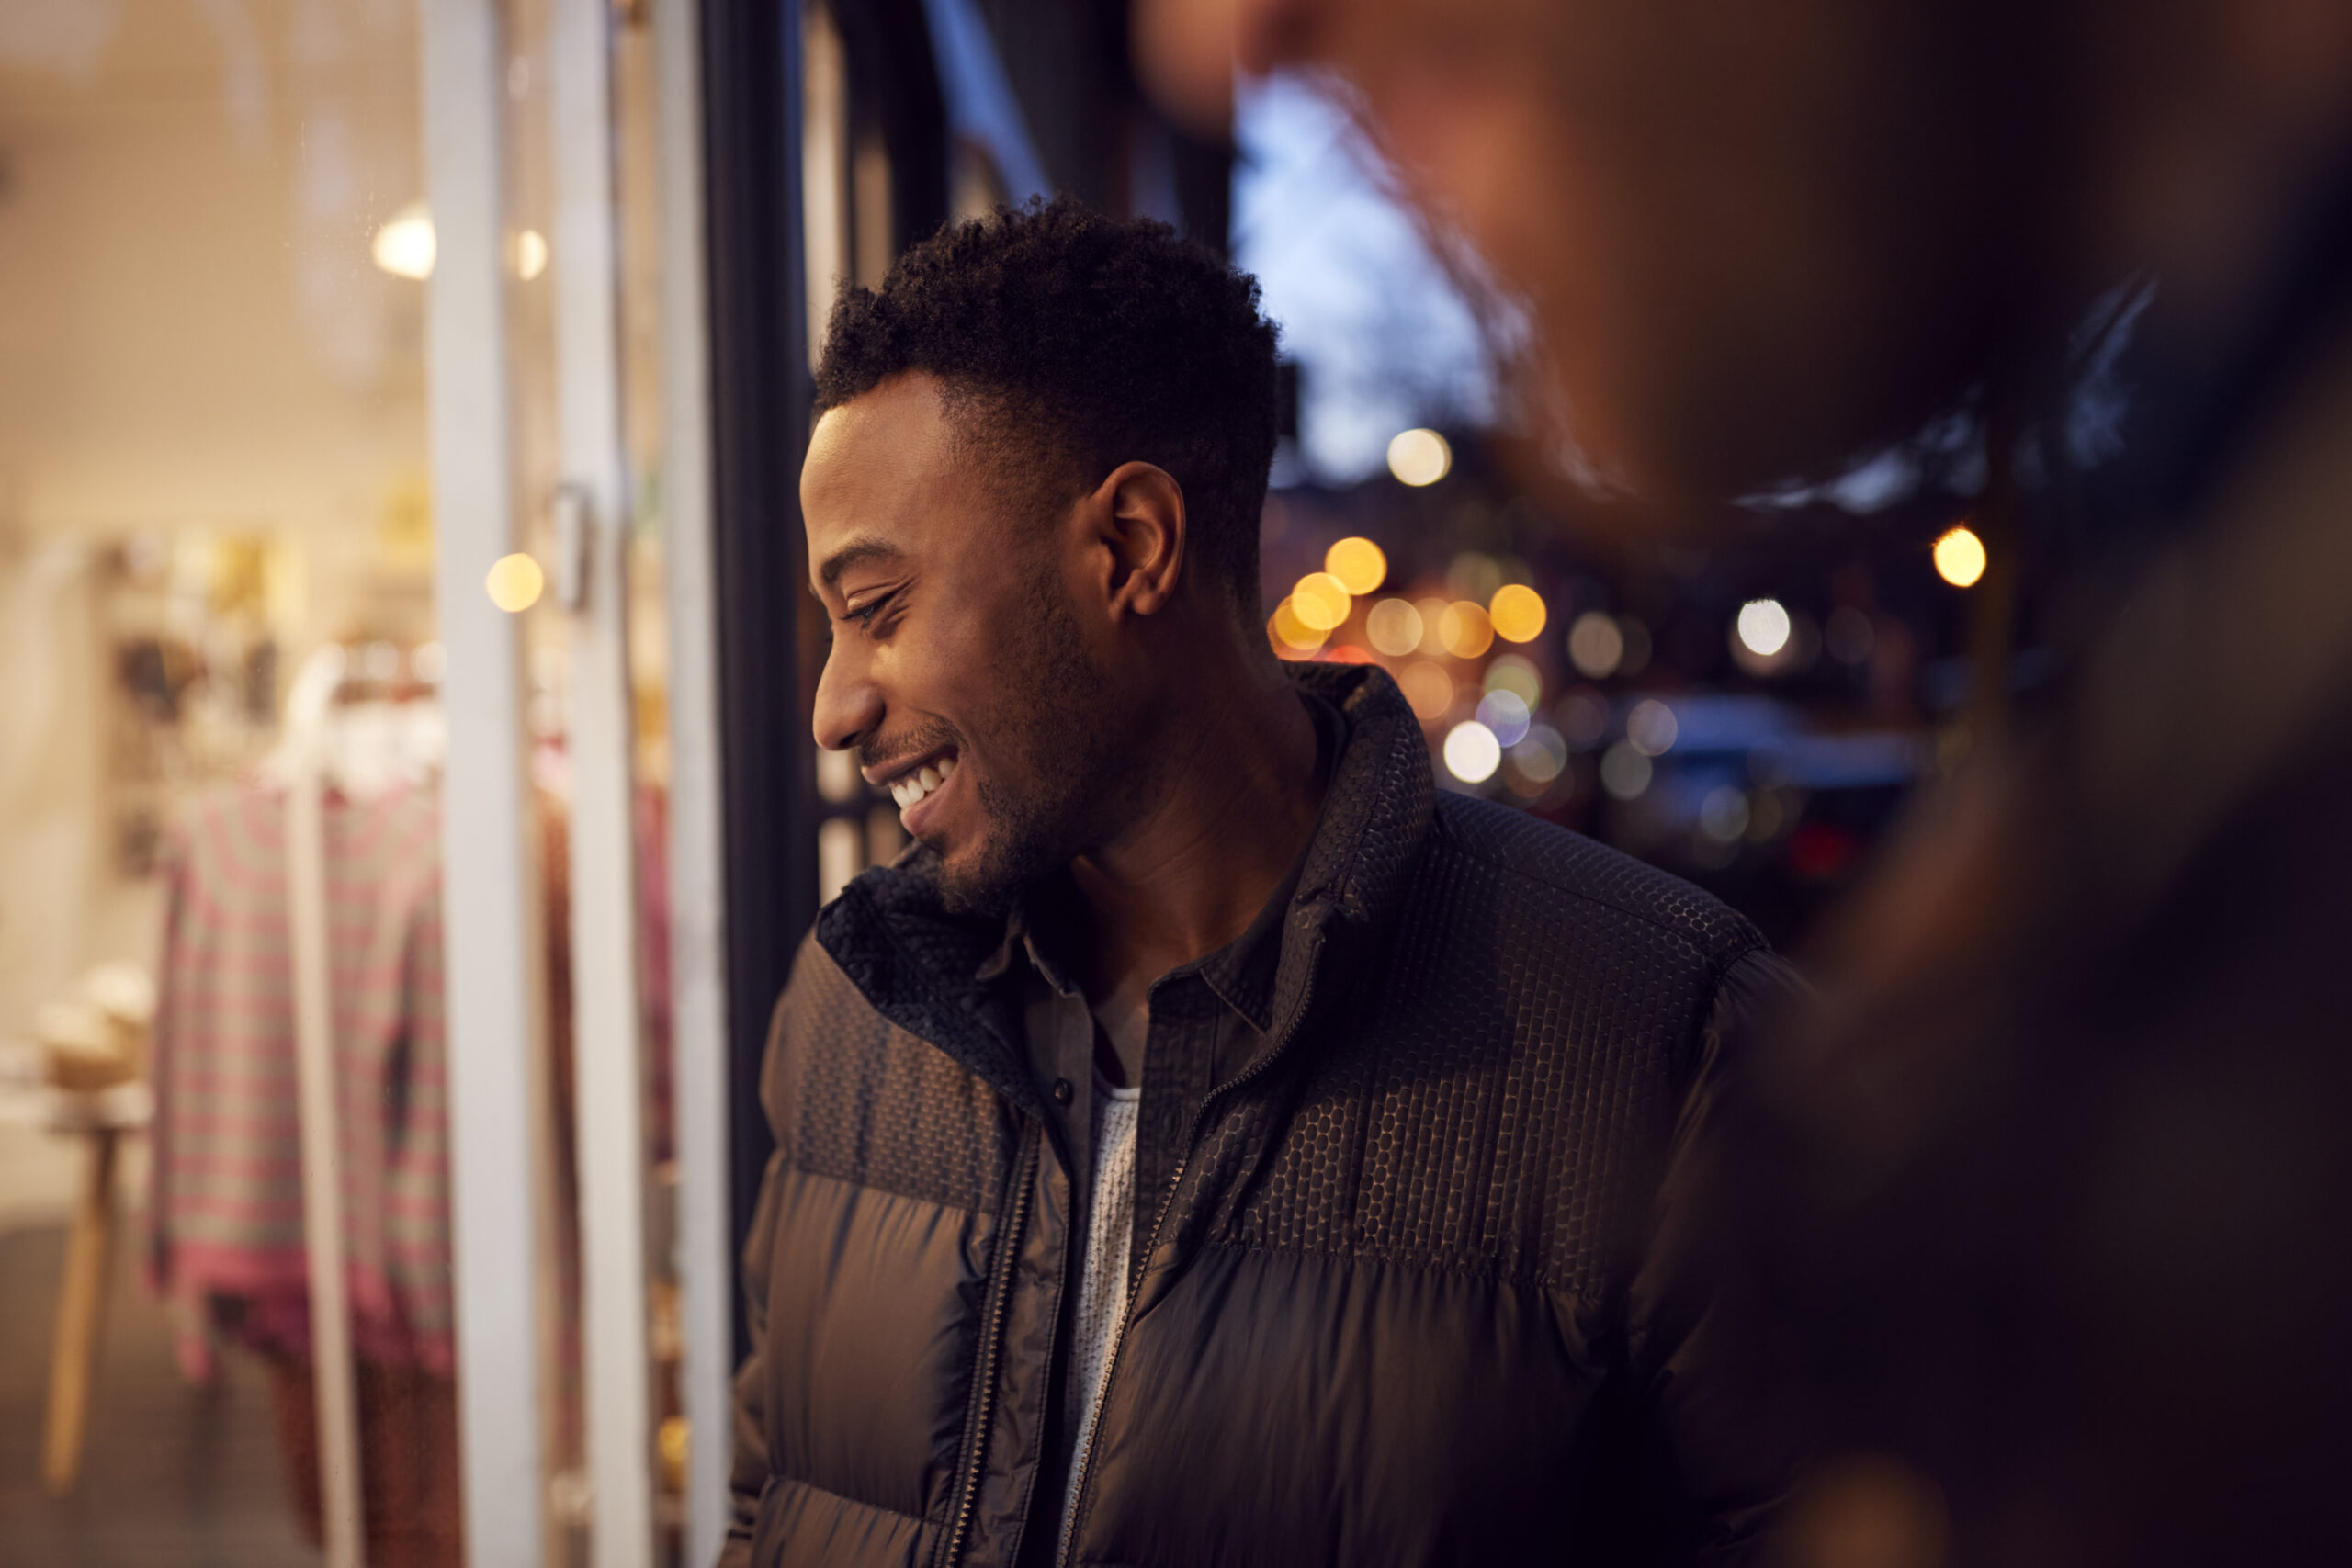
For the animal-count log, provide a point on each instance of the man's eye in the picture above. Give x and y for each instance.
(864, 613)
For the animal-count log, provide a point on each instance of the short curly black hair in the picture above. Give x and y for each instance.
(1075, 342)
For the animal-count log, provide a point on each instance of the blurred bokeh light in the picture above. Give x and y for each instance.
(514, 583)
(405, 245)
(1394, 627)
(1465, 630)
(1471, 752)
(1960, 558)
(1358, 563)
(1595, 646)
(1321, 601)
(1420, 458)
(1518, 613)
(1763, 627)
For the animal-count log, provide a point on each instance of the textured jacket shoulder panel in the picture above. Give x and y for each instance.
(1500, 1094)
(853, 1096)
(1586, 869)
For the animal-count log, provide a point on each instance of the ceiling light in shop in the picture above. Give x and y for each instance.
(1465, 630)
(1420, 458)
(1518, 613)
(404, 246)
(1471, 752)
(530, 254)
(1960, 558)
(1359, 564)
(1394, 626)
(1321, 601)
(1763, 627)
(514, 583)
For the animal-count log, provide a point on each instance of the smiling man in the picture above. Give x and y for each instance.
(1209, 1145)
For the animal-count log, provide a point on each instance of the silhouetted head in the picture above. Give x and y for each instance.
(1760, 239)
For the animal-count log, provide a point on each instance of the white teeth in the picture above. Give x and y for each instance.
(922, 781)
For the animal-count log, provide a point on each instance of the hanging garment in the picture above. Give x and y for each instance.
(409, 1480)
(224, 1226)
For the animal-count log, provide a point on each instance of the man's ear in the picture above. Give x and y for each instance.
(1140, 522)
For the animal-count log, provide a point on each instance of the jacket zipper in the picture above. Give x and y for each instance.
(984, 1373)
(1151, 1244)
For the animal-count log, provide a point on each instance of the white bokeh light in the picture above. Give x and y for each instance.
(405, 245)
(1764, 626)
(1471, 752)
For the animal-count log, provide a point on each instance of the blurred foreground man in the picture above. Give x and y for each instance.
(1210, 1145)
(2051, 1211)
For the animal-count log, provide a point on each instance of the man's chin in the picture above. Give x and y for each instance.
(974, 883)
(989, 876)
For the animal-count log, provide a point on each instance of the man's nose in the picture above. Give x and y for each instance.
(849, 704)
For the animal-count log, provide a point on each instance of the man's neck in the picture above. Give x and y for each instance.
(1235, 803)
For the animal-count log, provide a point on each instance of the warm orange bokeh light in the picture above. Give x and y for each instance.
(1394, 627)
(1428, 687)
(1518, 613)
(1320, 601)
(1359, 564)
(1292, 636)
(1960, 558)
(1465, 630)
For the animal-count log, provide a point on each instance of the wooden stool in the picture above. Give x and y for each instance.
(102, 1120)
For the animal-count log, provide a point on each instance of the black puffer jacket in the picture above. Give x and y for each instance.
(1404, 1301)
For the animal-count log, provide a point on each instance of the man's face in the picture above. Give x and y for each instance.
(960, 674)
(1755, 237)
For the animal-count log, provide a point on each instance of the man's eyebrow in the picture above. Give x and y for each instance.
(850, 554)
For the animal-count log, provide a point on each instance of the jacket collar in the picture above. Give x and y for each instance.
(922, 968)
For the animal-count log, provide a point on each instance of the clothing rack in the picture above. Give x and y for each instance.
(332, 1373)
